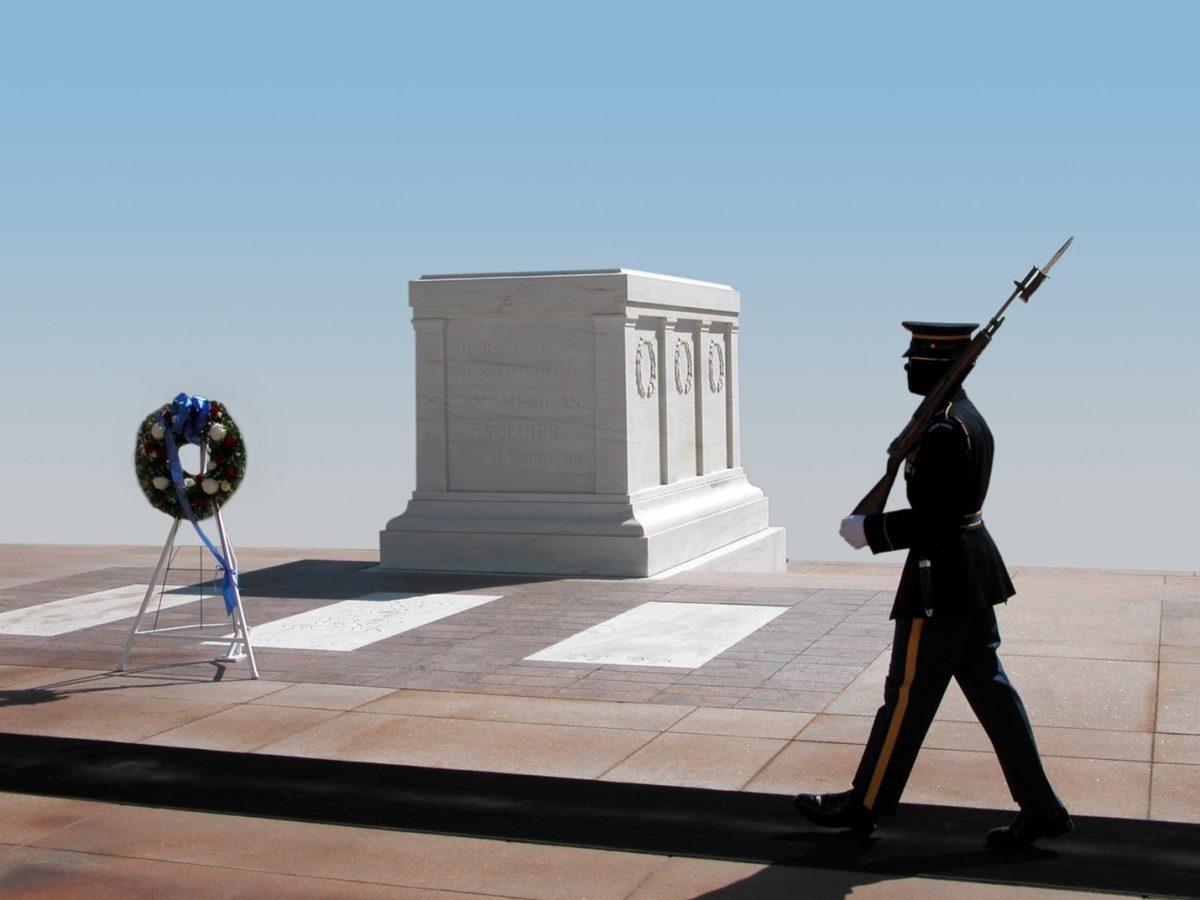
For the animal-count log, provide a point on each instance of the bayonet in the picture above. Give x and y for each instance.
(1036, 276)
(1061, 250)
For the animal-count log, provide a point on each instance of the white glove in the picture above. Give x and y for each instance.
(853, 531)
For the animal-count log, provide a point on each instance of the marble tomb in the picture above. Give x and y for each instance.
(578, 423)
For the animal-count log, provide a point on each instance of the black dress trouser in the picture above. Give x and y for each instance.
(926, 654)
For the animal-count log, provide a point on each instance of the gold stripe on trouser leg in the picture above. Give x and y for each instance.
(889, 743)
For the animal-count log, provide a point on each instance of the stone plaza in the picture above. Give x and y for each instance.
(583, 778)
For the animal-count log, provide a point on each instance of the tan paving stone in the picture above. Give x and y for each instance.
(1177, 748)
(864, 694)
(951, 735)
(1113, 695)
(965, 778)
(1181, 620)
(28, 677)
(173, 687)
(1085, 743)
(623, 692)
(533, 710)
(112, 716)
(526, 690)
(1082, 743)
(1148, 652)
(1176, 654)
(681, 878)
(837, 729)
(243, 728)
(699, 877)
(1065, 584)
(464, 744)
(958, 778)
(323, 696)
(1101, 787)
(787, 701)
(27, 817)
(693, 760)
(1086, 786)
(362, 855)
(31, 874)
(743, 723)
(1179, 698)
(850, 576)
(704, 695)
(800, 574)
(1112, 617)
(807, 767)
(1175, 793)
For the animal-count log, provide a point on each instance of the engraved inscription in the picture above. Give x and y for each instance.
(519, 402)
(520, 405)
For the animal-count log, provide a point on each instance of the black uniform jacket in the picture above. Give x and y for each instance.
(947, 478)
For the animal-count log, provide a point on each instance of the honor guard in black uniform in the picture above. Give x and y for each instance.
(945, 622)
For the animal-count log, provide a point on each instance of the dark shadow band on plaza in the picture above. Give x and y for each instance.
(1105, 854)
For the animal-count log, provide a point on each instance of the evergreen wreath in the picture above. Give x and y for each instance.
(207, 491)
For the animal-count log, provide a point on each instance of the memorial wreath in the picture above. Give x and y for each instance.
(189, 420)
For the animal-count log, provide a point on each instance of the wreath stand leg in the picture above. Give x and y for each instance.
(158, 571)
(241, 635)
(239, 646)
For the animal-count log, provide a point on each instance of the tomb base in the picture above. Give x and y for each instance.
(710, 522)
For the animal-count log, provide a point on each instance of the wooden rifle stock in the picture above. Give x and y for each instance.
(935, 401)
(876, 497)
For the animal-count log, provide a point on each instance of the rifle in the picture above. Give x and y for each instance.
(946, 387)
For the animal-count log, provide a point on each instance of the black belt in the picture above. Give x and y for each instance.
(971, 520)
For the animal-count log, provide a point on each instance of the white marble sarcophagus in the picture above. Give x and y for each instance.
(578, 423)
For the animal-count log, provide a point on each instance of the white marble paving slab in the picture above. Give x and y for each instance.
(84, 611)
(352, 624)
(683, 635)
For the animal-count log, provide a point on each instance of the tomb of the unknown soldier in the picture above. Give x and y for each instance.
(578, 423)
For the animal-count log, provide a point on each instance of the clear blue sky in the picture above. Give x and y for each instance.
(229, 199)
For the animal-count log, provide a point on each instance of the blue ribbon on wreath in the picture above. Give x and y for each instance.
(187, 419)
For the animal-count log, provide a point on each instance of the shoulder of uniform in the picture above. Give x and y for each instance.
(945, 424)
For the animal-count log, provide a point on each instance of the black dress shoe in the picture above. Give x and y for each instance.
(842, 810)
(1029, 827)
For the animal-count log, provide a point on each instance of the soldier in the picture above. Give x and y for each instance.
(945, 622)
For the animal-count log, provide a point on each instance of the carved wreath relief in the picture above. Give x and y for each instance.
(683, 365)
(716, 367)
(645, 369)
